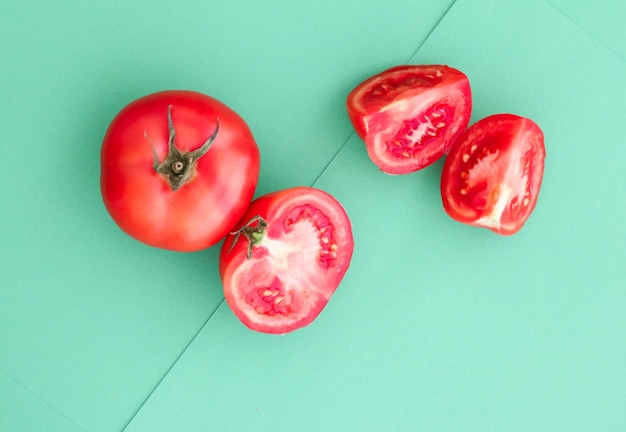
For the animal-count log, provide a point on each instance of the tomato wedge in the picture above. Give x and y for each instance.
(409, 116)
(299, 245)
(492, 175)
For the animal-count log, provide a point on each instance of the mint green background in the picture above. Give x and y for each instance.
(436, 327)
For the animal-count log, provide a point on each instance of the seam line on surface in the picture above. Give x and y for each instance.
(174, 363)
(40, 398)
(330, 162)
(415, 51)
(421, 44)
(585, 30)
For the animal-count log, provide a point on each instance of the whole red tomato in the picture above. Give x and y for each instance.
(409, 116)
(492, 175)
(178, 169)
(290, 254)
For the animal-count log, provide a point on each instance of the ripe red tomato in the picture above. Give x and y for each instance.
(299, 245)
(409, 116)
(178, 170)
(492, 175)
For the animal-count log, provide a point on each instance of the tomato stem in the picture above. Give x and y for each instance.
(179, 167)
(254, 234)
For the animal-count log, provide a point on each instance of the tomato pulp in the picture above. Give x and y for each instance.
(281, 267)
(492, 175)
(178, 169)
(409, 116)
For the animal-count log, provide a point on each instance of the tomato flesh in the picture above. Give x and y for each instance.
(409, 116)
(416, 134)
(283, 279)
(492, 176)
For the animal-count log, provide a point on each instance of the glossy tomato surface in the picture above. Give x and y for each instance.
(492, 176)
(292, 251)
(178, 170)
(409, 116)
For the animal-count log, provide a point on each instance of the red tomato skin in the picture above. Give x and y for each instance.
(492, 176)
(273, 207)
(436, 99)
(202, 211)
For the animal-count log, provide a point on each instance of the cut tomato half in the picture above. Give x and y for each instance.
(285, 261)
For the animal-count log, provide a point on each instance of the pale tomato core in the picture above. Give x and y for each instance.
(325, 232)
(416, 133)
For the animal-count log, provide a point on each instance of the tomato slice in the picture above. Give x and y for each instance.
(409, 116)
(299, 246)
(492, 175)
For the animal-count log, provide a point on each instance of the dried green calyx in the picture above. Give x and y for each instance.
(179, 167)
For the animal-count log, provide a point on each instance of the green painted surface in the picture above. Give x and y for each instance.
(436, 327)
